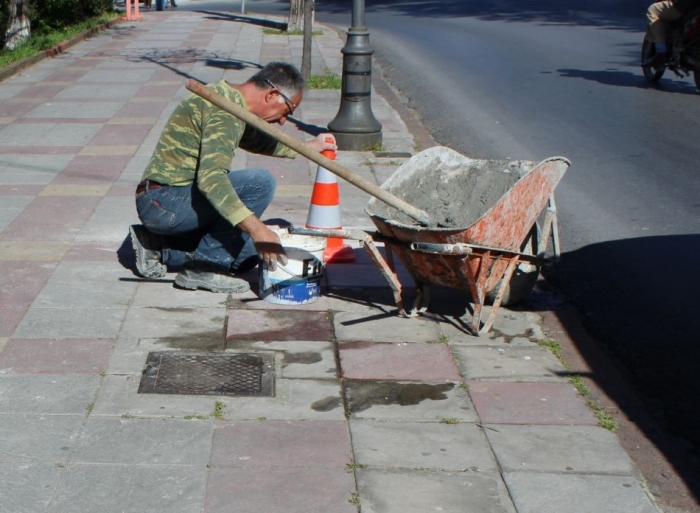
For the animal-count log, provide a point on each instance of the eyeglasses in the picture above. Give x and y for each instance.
(290, 104)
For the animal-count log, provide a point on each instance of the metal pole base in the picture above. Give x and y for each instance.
(359, 141)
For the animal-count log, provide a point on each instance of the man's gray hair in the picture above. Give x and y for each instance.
(284, 75)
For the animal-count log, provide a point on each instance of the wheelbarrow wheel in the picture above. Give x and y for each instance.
(524, 277)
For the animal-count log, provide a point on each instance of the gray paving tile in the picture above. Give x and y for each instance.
(95, 272)
(509, 363)
(50, 134)
(509, 328)
(419, 491)
(71, 323)
(423, 445)
(298, 359)
(576, 493)
(174, 322)
(161, 294)
(119, 396)
(566, 449)
(361, 327)
(417, 402)
(27, 488)
(38, 439)
(311, 490)
(67, 395)
(129, 489)
(131, 354)
(81, 295)
(103, 91)
(144, 442)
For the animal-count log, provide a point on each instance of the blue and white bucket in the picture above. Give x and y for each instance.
(298, 282)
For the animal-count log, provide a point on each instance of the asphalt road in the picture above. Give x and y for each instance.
(529, 80)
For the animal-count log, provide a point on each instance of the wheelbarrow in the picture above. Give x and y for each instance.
(437, 241)
(509, 215)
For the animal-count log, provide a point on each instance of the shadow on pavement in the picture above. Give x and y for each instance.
(648, 322)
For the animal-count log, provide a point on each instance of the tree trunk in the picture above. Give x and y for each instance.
(18, 29)
(306, 48)
(296, 15)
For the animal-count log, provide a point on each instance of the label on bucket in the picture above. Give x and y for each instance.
(299, 281)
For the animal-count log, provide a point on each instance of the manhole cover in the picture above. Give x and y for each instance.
(174, 372)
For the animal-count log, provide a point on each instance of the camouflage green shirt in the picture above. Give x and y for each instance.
(198, 143)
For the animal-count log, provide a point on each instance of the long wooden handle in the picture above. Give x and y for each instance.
(301, 148)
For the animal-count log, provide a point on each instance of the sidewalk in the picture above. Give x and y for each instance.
(425, 417)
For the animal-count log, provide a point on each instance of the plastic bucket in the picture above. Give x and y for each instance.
(298, 282)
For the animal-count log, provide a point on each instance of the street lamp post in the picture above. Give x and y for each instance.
(355, 127)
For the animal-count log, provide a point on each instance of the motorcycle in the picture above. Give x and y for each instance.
(683, 43)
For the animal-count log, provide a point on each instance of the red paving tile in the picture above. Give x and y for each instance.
(529, 403)
(21, 282)
(278, 325)
(402, 361)
(10, 317)
(121, 135)
(282, 444)
(89, 169)
(52, 218)
(55, 356)
(311, 490)
(141, 110)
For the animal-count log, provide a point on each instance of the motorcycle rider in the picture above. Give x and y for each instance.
(659, 14)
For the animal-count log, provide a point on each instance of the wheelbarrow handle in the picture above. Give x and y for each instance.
(201, 90)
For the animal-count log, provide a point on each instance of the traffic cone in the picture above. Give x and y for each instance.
(324, 213)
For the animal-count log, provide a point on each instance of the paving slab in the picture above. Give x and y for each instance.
(47, 394)
(437, 446)
(576, 493)
(312, 490)
(509, 364)
(397, 362)
(419, 491)
(34, 439)
(384, 327)
(129, 489)
(529, 403)
(282, 444)
(278, 325)
(143, 442)
(408, 401)
(55, 356)
(174, 322)
(71, 323)
(28, 488)
(565, 449)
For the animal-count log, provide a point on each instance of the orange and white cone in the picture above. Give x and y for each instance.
(324, 213)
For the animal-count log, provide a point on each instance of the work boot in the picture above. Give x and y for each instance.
(147, 247)
(199, 275)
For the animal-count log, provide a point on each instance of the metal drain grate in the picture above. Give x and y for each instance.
(174, 372)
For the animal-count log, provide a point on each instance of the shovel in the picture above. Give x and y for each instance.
(314, 156)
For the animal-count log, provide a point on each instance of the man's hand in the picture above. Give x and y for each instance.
(323, 142)
(267, 243)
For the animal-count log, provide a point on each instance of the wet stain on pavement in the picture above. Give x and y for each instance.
(363, 395)
(326, 404)
(305, 358)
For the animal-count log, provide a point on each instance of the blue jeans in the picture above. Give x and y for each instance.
(190, 224)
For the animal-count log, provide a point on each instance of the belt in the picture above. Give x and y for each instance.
(146, 185)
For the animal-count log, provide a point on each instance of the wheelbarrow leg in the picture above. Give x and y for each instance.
(507, 274)
(477, 286)
(550, 228)
(386, 268)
